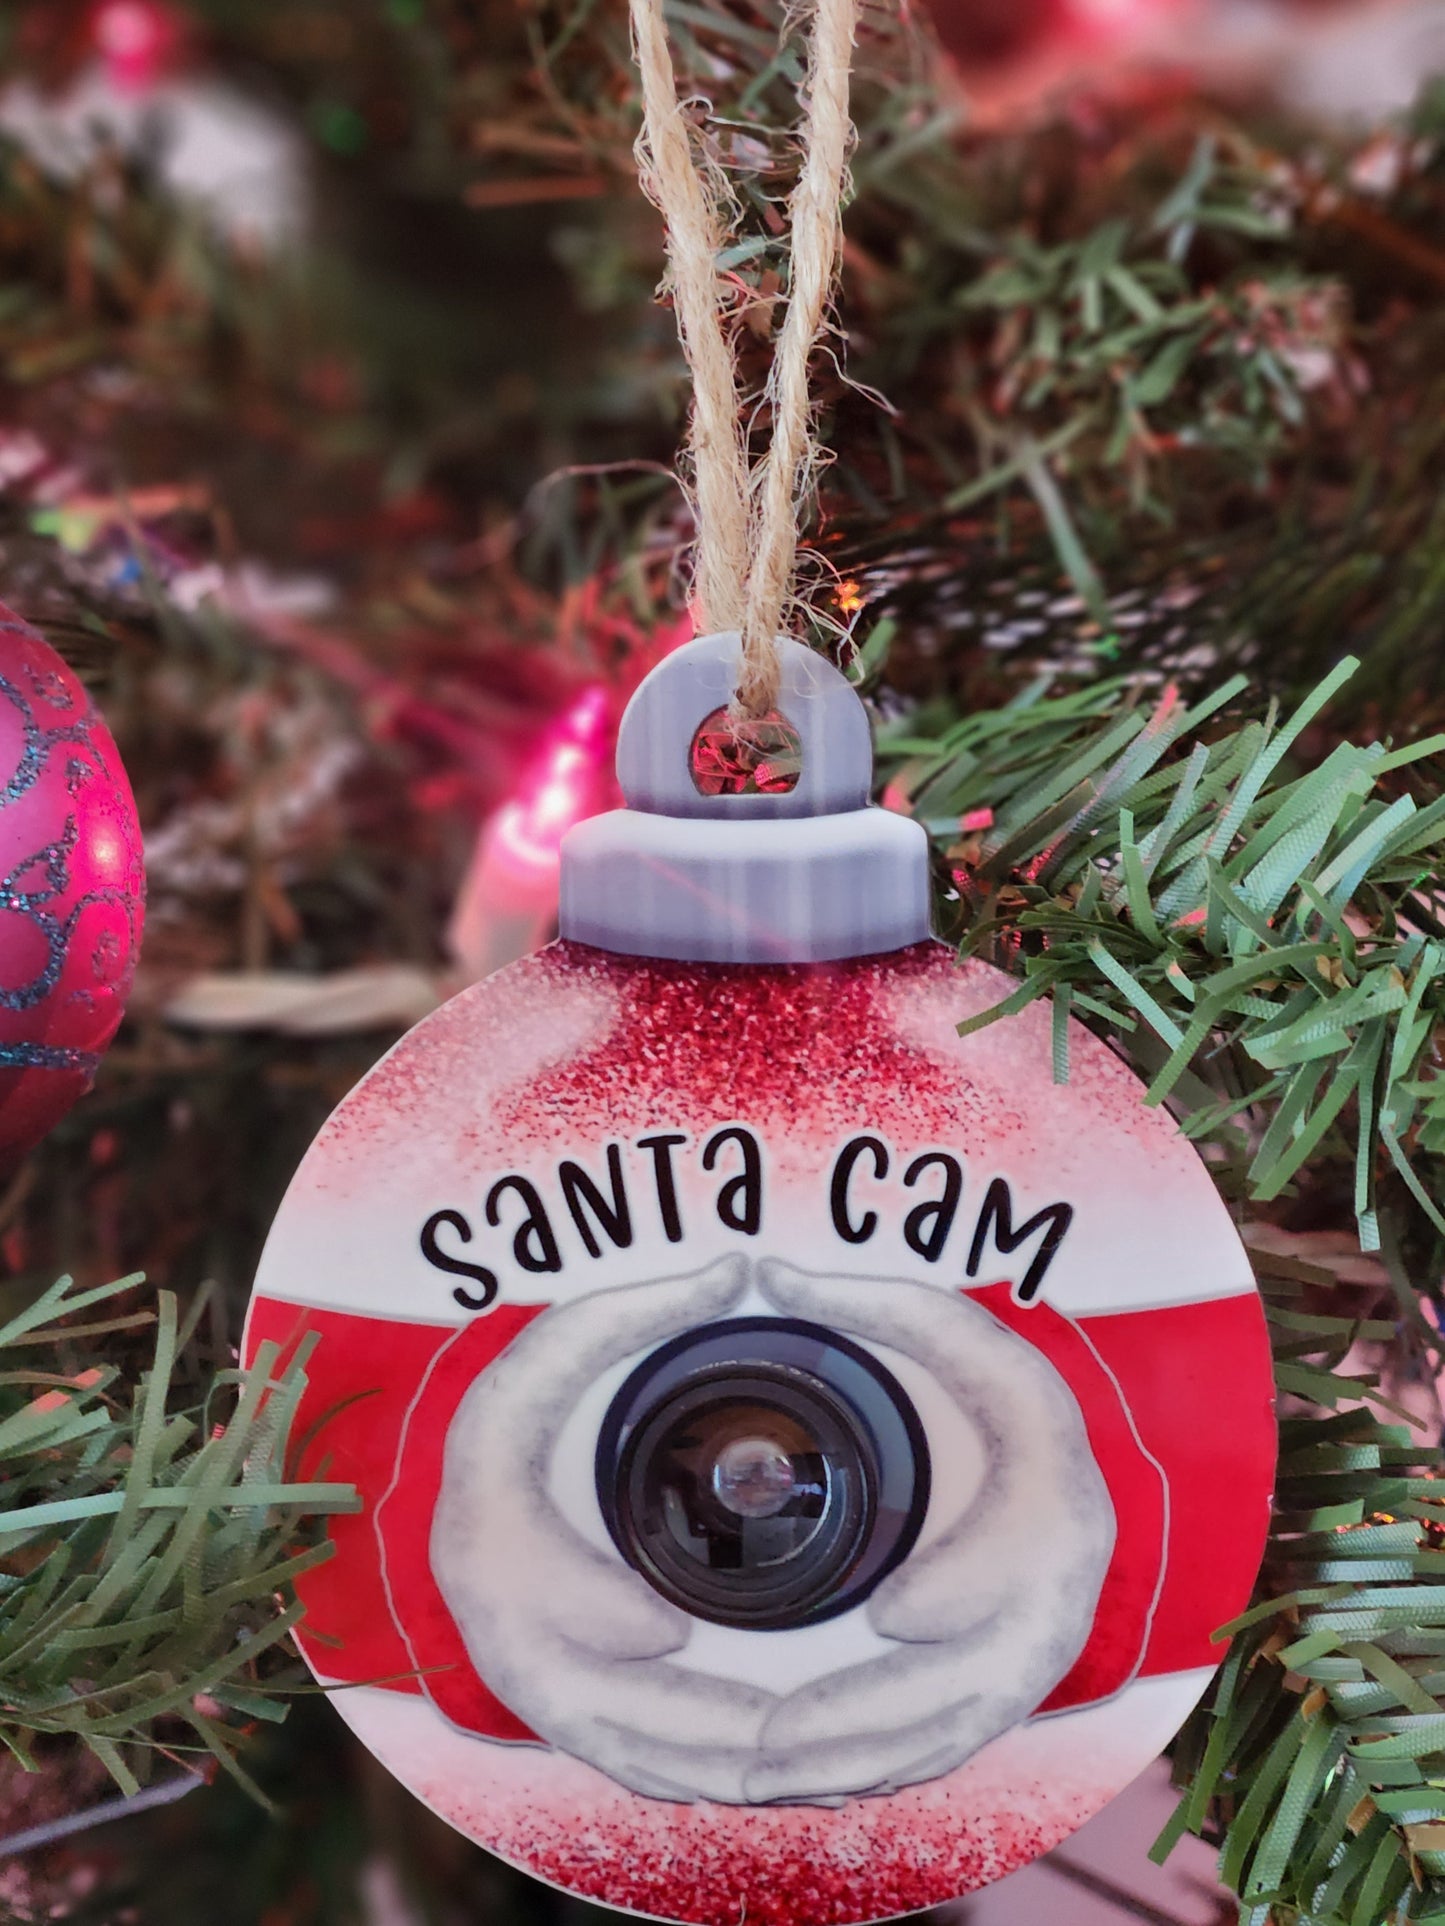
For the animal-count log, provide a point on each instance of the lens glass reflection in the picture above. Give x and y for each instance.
(739, 1483)
(754, 1476)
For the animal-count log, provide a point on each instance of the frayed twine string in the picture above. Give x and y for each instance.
(748, 514)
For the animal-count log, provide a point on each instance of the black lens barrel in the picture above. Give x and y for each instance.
(762, 1472)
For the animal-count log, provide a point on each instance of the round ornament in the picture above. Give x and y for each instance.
(805, 1453)
(72, 888)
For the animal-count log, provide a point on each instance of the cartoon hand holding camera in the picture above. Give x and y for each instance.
(771, 1474)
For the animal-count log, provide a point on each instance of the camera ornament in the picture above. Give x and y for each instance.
(805, 1454)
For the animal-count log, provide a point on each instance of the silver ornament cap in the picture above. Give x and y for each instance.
(808, 875)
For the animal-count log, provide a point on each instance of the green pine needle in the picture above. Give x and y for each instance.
(147, 1555)
(1216, 909)
(1319, 1759)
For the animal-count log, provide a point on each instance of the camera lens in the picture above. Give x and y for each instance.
(762, 1472)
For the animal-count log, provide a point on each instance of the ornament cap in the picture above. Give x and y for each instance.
(803, 875)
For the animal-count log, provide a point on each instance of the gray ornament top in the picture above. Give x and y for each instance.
(803, 876)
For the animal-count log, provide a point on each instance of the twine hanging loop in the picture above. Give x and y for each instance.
(748, 512)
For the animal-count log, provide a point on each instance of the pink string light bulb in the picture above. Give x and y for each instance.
(562, 789)
(137, 41)
(508, 902)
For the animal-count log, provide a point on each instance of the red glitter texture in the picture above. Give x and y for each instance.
(784, 1867)
(762, 1042)
(818, 1049)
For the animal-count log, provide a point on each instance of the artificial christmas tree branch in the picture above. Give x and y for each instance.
(148, 1553)
(1220, 908)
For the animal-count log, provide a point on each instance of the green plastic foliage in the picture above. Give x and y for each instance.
(147, 1555)
(1117, 349)
(1265, 946)
(1321, 1757)
(1264, 943)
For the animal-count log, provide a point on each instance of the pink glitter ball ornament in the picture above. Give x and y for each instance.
(72, 888)
(805, 1453)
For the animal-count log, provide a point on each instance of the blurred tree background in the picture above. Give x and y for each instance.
(336, 427)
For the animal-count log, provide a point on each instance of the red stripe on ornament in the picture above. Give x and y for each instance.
(1198, 1379)
(1179, 1391)
(1137, 1485)
(347, 1426)
(1193, 1384)
(404, 1522)
(362, 1379)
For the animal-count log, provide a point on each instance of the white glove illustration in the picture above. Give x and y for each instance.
(985, 1617)
(571, 1638)
(992, 1614)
